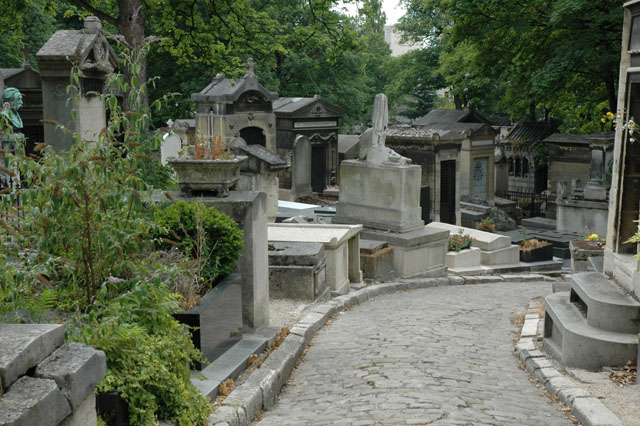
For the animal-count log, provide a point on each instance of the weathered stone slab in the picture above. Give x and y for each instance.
(23, 346)
(486, 241)
(32, 402)
(76, 369)
(463, 258)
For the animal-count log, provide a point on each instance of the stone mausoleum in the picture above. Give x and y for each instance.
(317, 120)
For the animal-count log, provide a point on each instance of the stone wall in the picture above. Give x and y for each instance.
(45, 381)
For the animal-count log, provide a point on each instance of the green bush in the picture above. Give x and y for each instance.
(148, 353)
(201, 233)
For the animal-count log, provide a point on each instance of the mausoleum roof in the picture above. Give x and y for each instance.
(449, 116)
(567, 138)
(530, 132)
(227, 90)
(314, 107)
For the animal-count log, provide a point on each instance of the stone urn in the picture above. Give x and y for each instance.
(217, 176)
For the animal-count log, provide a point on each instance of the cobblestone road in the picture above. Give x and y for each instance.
(439, 356)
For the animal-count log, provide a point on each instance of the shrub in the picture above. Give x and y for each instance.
(459, 241)
(202, 233)
(487, 225)
(148, 353)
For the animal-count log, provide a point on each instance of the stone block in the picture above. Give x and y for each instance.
(224, 415)
(23, 346)
(507, 255)
(380, 196)
(84, 414)
(31, 402)
(297, 271)
(248, 396)
(76, 368)
(463, 258)
(416, 253)
(376, 259)
(592, 412)
(557, 384)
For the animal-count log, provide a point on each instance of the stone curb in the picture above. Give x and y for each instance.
(589, 411)
(261, 389)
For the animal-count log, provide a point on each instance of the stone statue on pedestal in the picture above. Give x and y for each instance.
(372, 141)
(11, 103)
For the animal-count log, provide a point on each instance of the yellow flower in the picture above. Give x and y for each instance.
(593, 237)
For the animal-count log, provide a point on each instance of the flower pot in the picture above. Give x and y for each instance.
(217, 176)
(216, 320)
(540, 254)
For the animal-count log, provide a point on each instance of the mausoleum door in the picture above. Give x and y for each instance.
(318, 168)
(541, 177)
(629, 187)
(253, 136)
(479, 186)
(448, 192)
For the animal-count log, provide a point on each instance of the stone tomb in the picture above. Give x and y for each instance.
(297, 271)
(341, 247)
(495, 249)
(89, 49)
(382, 191)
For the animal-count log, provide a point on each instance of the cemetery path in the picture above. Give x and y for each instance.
(441, 356)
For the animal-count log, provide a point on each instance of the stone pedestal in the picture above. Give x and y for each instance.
(376, 258)
(418, 253)
(249, 210)
(381, 197)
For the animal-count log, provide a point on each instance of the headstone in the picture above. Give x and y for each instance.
(171, 146)
(301, 167)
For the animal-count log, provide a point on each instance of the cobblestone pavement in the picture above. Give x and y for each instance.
(441, 356)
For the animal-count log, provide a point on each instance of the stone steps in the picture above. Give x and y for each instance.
(608, 308)
(575, 343)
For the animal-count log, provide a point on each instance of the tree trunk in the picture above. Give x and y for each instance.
(458, 101)
(131, 25)
(532, 111)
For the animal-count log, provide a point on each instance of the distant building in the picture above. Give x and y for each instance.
(393, 39)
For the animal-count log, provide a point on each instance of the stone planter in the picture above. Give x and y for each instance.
(581, 251)
(540, 254)
(217, 176)
(463, 258)
(217, 320)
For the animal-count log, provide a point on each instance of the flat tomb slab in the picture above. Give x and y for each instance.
(329, 235)
(23, 346)
(463, 258)
(484, 240)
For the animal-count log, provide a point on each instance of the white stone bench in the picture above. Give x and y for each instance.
(341, 247)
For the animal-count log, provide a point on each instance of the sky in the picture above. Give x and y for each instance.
(391, 8)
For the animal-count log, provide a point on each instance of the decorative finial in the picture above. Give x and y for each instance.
(25, 57)
(251, 66)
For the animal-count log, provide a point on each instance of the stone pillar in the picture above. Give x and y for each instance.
(249, 210)
(90, 51)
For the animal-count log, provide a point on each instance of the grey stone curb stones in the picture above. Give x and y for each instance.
(589, 411)
(261, 389)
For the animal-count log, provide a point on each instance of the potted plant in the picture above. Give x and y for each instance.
(209, 168)
(534, 250)
(459, 251)
(487, 225)
(205, 244)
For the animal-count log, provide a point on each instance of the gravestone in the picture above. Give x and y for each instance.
(171, 146)
(381, 191)
(301, 167)
(88, 49)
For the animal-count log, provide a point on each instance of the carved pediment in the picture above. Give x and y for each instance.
(320, 108)
(252, 101)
